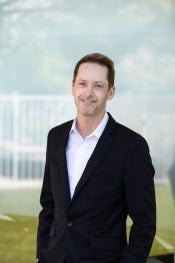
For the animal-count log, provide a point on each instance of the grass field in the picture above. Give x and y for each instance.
(18, 237)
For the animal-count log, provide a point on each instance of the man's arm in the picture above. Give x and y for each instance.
(47, 203)
(141, 205)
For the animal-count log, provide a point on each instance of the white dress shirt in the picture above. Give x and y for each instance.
(79, 150)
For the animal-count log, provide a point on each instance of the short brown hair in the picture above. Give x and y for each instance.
(100, 59)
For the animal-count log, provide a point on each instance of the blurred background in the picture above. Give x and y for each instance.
(40, 42)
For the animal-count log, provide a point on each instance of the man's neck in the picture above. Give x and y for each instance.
(87, 124)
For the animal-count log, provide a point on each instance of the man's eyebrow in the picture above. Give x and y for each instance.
(99, 81)
(96, 81)
(81, 80)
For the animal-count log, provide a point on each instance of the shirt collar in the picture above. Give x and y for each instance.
(98, 131)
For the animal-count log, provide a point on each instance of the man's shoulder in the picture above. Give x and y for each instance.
(61, 128)
(125, 132)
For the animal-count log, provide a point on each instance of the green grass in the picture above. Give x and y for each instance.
(18, 237)
(165, 222)
(164, 242)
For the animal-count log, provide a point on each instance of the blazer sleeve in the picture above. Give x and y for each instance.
(141, 204)
(47, 204)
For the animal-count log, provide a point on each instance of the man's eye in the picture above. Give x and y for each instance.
(82, 84)
(99, 86)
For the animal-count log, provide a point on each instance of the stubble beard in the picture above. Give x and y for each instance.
(86, 106)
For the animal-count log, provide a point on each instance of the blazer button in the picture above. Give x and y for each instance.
(69, 223)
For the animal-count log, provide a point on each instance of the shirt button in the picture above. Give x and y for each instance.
(69, 223)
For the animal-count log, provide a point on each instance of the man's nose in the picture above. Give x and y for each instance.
(89, 89)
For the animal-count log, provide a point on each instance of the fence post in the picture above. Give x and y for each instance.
(15, 131)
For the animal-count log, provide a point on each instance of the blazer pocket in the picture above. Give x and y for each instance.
(52, 236)
(106, 243)
(52, 232)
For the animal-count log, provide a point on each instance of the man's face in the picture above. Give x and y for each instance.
(91, 89)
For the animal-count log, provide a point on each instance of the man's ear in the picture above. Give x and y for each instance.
(72, 89)
(111, 93)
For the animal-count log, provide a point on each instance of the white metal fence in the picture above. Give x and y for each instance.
(24, 124)
(26, 120)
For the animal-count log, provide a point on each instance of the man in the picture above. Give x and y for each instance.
(97, 173)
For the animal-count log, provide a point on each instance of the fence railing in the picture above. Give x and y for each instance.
(26, 120)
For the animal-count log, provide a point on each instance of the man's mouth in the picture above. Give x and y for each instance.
(87, 102)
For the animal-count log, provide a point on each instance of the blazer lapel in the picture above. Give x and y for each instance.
(62, 164)
(97, 155)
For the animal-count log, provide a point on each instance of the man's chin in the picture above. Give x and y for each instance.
(87, 113)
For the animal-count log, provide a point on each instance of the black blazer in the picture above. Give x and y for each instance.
(91, 227)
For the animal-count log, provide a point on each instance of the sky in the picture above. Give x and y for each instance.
(46, 38)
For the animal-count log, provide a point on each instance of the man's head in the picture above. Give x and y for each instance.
(93, 85)
(100, 59)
